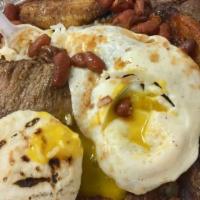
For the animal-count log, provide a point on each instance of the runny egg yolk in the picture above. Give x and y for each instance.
(53, 140)
(94, 181)
(143, 104)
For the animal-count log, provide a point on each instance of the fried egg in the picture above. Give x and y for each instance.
(160, 140)
(17, 48)
(40, 158)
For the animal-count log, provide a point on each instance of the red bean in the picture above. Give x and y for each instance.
(139, 7)
(149, 27)
(88, 60)
(165, 30)
(94, 63)
(35, 47)
(105, 4)
(11, 11)
(78, 60)
(124, 107)
(62, 69)
(125, 18)
(47, 53)
(121, 5)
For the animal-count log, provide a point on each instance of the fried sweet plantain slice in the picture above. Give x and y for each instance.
(44, 13)
(185, 27)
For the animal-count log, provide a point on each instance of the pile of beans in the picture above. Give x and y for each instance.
(62, 61)
(138, 16)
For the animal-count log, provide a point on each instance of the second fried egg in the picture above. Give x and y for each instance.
(159, 140)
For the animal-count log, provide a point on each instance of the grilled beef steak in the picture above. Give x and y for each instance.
(26, 84)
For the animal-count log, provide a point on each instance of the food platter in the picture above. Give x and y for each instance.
(100, 100)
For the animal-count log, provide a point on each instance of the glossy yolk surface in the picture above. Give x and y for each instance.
(53, 140)
(144, 103)
(94, 181)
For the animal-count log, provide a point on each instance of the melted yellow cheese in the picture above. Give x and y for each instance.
(94, 181)
(53, 140)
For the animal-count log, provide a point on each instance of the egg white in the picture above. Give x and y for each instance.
(13, 168)
(173, 135)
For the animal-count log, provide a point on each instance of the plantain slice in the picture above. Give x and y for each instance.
(44, 13)
(185, 27)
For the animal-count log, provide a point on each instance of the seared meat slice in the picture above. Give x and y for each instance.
(26, 84)
(44, 13)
